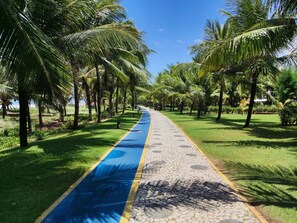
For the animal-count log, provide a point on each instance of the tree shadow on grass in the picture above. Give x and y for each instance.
(254, 143)
(73, 136)
(266, 185)
(35, 176)
(274, 132)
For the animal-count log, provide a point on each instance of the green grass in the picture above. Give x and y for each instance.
(34, 177)
(261, 160)
(11, 124)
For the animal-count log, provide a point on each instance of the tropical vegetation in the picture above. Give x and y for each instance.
(56, 53)
(52, 50)
(237, 64)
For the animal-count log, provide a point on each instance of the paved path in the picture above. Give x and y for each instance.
(179, 184)
(101, 196)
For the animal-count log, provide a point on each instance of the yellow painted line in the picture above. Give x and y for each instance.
(132, 194)
(73, 186)
(225, 178)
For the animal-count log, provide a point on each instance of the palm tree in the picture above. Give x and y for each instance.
(286, 6)
(5, 91)
(215, 34)
(29, 56)
(258, 37)
(197, 94)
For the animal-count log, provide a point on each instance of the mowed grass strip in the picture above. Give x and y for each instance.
(261, 160)
(33, 178)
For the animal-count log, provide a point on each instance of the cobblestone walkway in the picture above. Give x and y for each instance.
(179, 184)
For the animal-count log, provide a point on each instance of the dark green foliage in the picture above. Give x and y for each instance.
(286, 85)
(237, 110)
(288, 114)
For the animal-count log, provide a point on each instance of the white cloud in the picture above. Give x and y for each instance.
(197, 40)
(161, 30)
(179, 41)
(157, 43)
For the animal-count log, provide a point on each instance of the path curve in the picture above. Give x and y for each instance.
(179, 184)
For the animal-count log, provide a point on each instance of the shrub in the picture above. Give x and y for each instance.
(67, 125)
(212, 109)
(228, 109)
(5, 132)
(288, 114)
(39, 134)
(265, 109)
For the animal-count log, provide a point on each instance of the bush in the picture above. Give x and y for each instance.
(39, 134)
(237, 110)
(7, 142)
(288, 114)
(228, 109)
(212, 109)
(11, 132)
(5, 132)
(265, 109)
(67, 125)
(272, 109)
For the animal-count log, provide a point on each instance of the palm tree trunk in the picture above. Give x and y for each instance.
(192, 107)
(40, 113)
(88, 95)
(110, 105)
(104, 103)
(125, 99)
(171, 104)
(61, 110)
(29, 118)
(4, 110)
(221, 100)
(182, 107)
(133, 100)
(23, 102)
(198, 111)
(252, 100)
(98, 94)
(76, 96)
(95, 101)
(117, 97)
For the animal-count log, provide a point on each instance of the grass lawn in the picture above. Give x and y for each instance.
(261, 160)
(34, 177)
(11, 124)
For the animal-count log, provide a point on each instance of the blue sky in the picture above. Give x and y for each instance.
(171, 26)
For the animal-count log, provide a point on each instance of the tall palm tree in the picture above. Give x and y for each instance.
(30, 56)
(98, 26)
(258, 37)
(215, 34)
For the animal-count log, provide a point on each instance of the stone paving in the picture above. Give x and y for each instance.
(179, 184)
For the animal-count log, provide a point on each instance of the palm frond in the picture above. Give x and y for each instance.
(26, 51)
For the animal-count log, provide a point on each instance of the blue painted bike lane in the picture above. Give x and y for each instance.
(101, 196)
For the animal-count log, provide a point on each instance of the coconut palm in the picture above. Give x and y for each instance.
(286, 6)
(29, 55)
(5, 92)
(258, 37)
(197, 95)
(215, 34)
